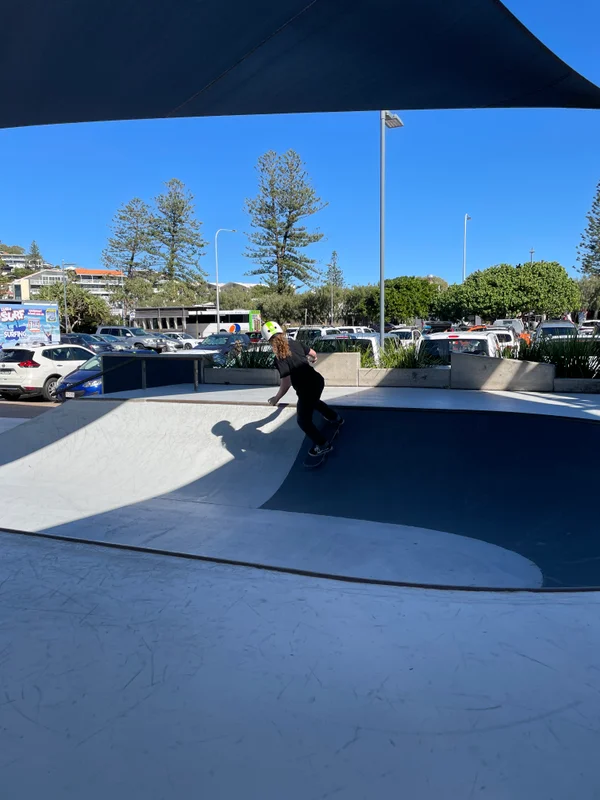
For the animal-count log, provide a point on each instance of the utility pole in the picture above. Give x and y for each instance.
(67, 323)
(467, 218)
(531, 252)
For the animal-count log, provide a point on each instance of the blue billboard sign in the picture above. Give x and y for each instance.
(29, 324)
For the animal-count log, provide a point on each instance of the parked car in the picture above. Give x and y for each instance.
(405, 336)
(218, 345)
(308, 334)
(554, 329)
(93, 343)
(440, 345)
(590, 327)
(88, 380)
(291, 332)
(355, 329)
(348, 343)
(515, 323)
(118, 344)
(137, 337)
(508, 339)
(183, 341)
(37, 370)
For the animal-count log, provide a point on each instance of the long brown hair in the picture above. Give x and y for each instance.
(280, 346)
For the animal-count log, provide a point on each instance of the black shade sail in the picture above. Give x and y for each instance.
(83, 60)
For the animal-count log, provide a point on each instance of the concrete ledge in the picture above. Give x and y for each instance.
(577, 385)
(427, 378)
(242, 377)
(500, 374)
(339, 369)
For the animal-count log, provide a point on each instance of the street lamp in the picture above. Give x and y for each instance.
(467, 218)
(227, 230)
(531, 252)
(386, 120)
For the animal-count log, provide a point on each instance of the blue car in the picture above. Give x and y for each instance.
(89, 373)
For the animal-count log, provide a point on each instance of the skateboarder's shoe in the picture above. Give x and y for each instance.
(320, 450)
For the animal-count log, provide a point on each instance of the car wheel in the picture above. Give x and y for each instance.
(139, 346)
(49, 390)
(187, 346)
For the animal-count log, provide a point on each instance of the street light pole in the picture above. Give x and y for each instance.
(228, 230)
(531, 252)
(467, 218)
(386, 120)
(65, 296)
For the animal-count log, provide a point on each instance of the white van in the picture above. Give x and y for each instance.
(442, 345)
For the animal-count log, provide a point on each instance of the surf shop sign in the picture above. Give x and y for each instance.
(29, 324)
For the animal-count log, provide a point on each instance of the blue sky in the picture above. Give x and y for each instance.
(527, 178)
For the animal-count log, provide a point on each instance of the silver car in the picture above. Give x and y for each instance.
(137, 337)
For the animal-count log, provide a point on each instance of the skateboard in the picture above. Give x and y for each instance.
(312, 462)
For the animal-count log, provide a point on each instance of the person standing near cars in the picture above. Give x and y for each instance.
(291, 360)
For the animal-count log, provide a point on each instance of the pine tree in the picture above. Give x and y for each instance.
(177, 242)
(588, 251)
(127, 249)
(34, 258)
(335, 276)
(285, 198)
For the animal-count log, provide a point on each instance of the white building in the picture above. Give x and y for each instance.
(99, 282)
(9, 262)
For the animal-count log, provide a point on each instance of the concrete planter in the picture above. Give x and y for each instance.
(427, 378)
(339, 369)
(577, 385)
(242, 377)
(500, 374)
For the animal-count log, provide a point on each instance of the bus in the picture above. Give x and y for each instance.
(198, 321)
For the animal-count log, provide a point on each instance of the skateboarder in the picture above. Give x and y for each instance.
(291, 359)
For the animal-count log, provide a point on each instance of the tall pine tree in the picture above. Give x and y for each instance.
(128, 248)
(34, 257)
(177, 241)
(285, 198)
(588, 251)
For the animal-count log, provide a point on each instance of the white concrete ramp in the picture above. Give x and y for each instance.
(190, 478)
(85, 458)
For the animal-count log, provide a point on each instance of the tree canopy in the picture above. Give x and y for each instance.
(128, 248)
(176, 239)
(588, 251)
(279, 237)
(84, 310)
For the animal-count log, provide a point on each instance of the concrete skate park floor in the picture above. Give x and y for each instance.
(136, 674)
(427, 497)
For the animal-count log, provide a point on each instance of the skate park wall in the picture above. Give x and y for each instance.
(429, 378)
(500, 374)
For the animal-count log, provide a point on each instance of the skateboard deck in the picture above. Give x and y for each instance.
(312, 462)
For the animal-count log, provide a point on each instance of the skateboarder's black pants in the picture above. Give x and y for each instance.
(308, 403)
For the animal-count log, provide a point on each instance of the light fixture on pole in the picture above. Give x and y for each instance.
(467, 218)
(531, 252)
(386, 120)
(227, 230)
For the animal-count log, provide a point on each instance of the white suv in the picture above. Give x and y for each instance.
(37, 370)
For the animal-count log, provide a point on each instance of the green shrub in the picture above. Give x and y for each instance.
(573, 357)
(251, 359)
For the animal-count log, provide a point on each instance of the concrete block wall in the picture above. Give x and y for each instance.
(500, 374)
(429, 378)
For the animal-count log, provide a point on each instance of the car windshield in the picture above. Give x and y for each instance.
(92, 364)
(441, 348)
(107, 337)
(15, 356)
(503, 337)
(558, 331)
(215, 341)
(185, 336)
(402, 334)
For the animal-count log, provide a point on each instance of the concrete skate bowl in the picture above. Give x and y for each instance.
(435, 498)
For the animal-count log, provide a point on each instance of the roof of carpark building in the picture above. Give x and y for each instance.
(119, 59)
